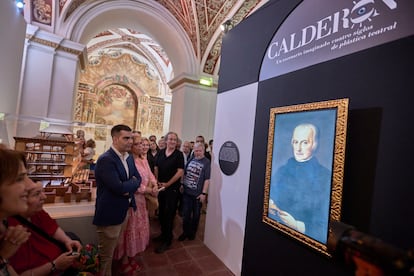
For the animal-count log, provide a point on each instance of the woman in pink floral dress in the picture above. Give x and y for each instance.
(135, 237)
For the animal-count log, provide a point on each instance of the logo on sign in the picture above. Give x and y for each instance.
(344, 30)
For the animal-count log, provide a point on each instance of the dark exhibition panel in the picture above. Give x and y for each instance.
(244, 46)
(378, 186)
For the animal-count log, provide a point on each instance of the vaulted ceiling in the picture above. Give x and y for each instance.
(200, 19)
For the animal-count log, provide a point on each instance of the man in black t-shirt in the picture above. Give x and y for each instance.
(169, 168)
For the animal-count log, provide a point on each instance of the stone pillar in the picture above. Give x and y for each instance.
(12, 33)
(49, 80)
(193, 108)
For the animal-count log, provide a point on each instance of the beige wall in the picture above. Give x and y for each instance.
(12, 35)
(81, 226)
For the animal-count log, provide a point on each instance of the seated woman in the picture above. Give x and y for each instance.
(48, 250)
(13, 200)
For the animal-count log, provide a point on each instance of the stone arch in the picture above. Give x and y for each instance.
(101, 112)
(137, 91)
(147, 17)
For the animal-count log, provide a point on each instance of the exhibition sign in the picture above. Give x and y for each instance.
(229, 158)
(333, 29)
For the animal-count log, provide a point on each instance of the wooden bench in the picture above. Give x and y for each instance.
(68, 195)
(50, 194)
(60, 189)
(82, 191)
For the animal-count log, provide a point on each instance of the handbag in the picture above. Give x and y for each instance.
(152, 205)
(153, 200)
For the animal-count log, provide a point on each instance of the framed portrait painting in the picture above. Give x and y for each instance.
(304, 170)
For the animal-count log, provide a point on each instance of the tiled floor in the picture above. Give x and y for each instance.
(187, 258)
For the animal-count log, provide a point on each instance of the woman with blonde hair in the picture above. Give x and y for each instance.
(135, 237)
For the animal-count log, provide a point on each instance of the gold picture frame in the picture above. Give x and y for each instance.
(304, 170)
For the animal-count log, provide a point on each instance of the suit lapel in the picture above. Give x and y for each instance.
(131, 164)
(120, 167)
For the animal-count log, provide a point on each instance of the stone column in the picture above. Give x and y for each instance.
(193, 108)
(49, 80)
(12, 33)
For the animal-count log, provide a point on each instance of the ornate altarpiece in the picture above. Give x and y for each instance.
(119, 90)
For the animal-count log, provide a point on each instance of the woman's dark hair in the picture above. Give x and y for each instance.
(90, 143)
(10, 165)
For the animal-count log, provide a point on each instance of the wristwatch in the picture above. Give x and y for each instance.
(203, 193)
(53, 268)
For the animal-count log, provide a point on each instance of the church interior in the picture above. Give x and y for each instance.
(196, 67)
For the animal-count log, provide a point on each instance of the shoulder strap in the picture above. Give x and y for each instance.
(41, 232)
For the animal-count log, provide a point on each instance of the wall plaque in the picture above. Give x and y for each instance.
(229, 158)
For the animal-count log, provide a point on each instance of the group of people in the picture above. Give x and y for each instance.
(135, 167)
(31, 242)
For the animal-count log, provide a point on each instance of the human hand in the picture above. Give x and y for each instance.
(202, 198)
(154, 191)
(273, 208)
(14, 237)
(65, 260)
(287, 219)
(73, 245)
(162, 186)
(290, 221)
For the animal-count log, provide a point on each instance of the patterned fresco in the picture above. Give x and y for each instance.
(215, 50)
(61, 5)
(115, 105)
(127, 72)
(183, 11)
(118, 88)
(199, 18)
(42, 11)
(210, 18)
(135, 44)
(150, 115)
(114, 66)
(73, 6)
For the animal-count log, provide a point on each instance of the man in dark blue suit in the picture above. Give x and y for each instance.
(116, 180)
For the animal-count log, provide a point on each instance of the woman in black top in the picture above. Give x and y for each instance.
(152, 154)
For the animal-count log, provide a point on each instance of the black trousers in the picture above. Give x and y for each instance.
(167, 209)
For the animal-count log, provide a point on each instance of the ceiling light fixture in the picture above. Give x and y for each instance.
(206, 81)
(20, 4)
(227, 25)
